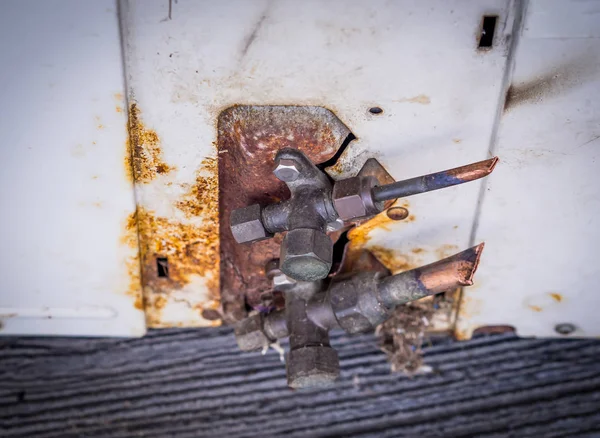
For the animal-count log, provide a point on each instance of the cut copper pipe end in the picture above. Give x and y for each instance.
(473, 171)
(452, 272)
(442, 276)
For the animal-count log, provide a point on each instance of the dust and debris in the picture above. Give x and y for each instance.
(401, 337)
(143, 161)
(275, 346)
(571, 74)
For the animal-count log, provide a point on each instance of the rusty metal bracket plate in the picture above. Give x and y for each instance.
(248, 139)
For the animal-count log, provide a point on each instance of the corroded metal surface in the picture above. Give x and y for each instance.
(248, 139)
(179, 254)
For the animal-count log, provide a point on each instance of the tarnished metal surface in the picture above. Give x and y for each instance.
(248, 139)
(435, 181)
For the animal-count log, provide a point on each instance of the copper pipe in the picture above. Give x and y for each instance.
(442, 276)
(434, 181)
(451, 273)
(473, 171)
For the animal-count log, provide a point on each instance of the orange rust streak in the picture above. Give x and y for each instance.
(360, 234)
(191, 248)
(130, 239)
(556, 297)
(144, 155)
(453, 272)
(474, 171)
(536, 308)
(390, 259)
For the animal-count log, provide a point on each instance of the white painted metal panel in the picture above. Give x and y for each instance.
(64, 192)
(419, 63)
(540, 212)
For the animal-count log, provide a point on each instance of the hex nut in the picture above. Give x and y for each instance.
(346, 199)
(286, 170)
(249, 334)
(315, 366)
(306, 254)
(352, 198)
(247, 226)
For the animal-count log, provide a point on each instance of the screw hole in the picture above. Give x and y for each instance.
(376, 110)
(488, 28)
(397, 213)
(162, 267)
(565, 328)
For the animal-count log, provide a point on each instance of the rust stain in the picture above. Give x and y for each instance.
(556, 297)
(130, 239)
(144, 155)
(417, 250)
(446, 250)
(159, 302)
(468, 308)
(535, 308)
(494, 330)
(139, 303)
(191, 249)
(118, 96)
(456, 140)
(203, 197)
(360, 235)
(391, 259)
(420, 99)
(119, 109)
(397, 213)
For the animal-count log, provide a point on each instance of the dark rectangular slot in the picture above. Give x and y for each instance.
(162, 267)
(488, 29)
